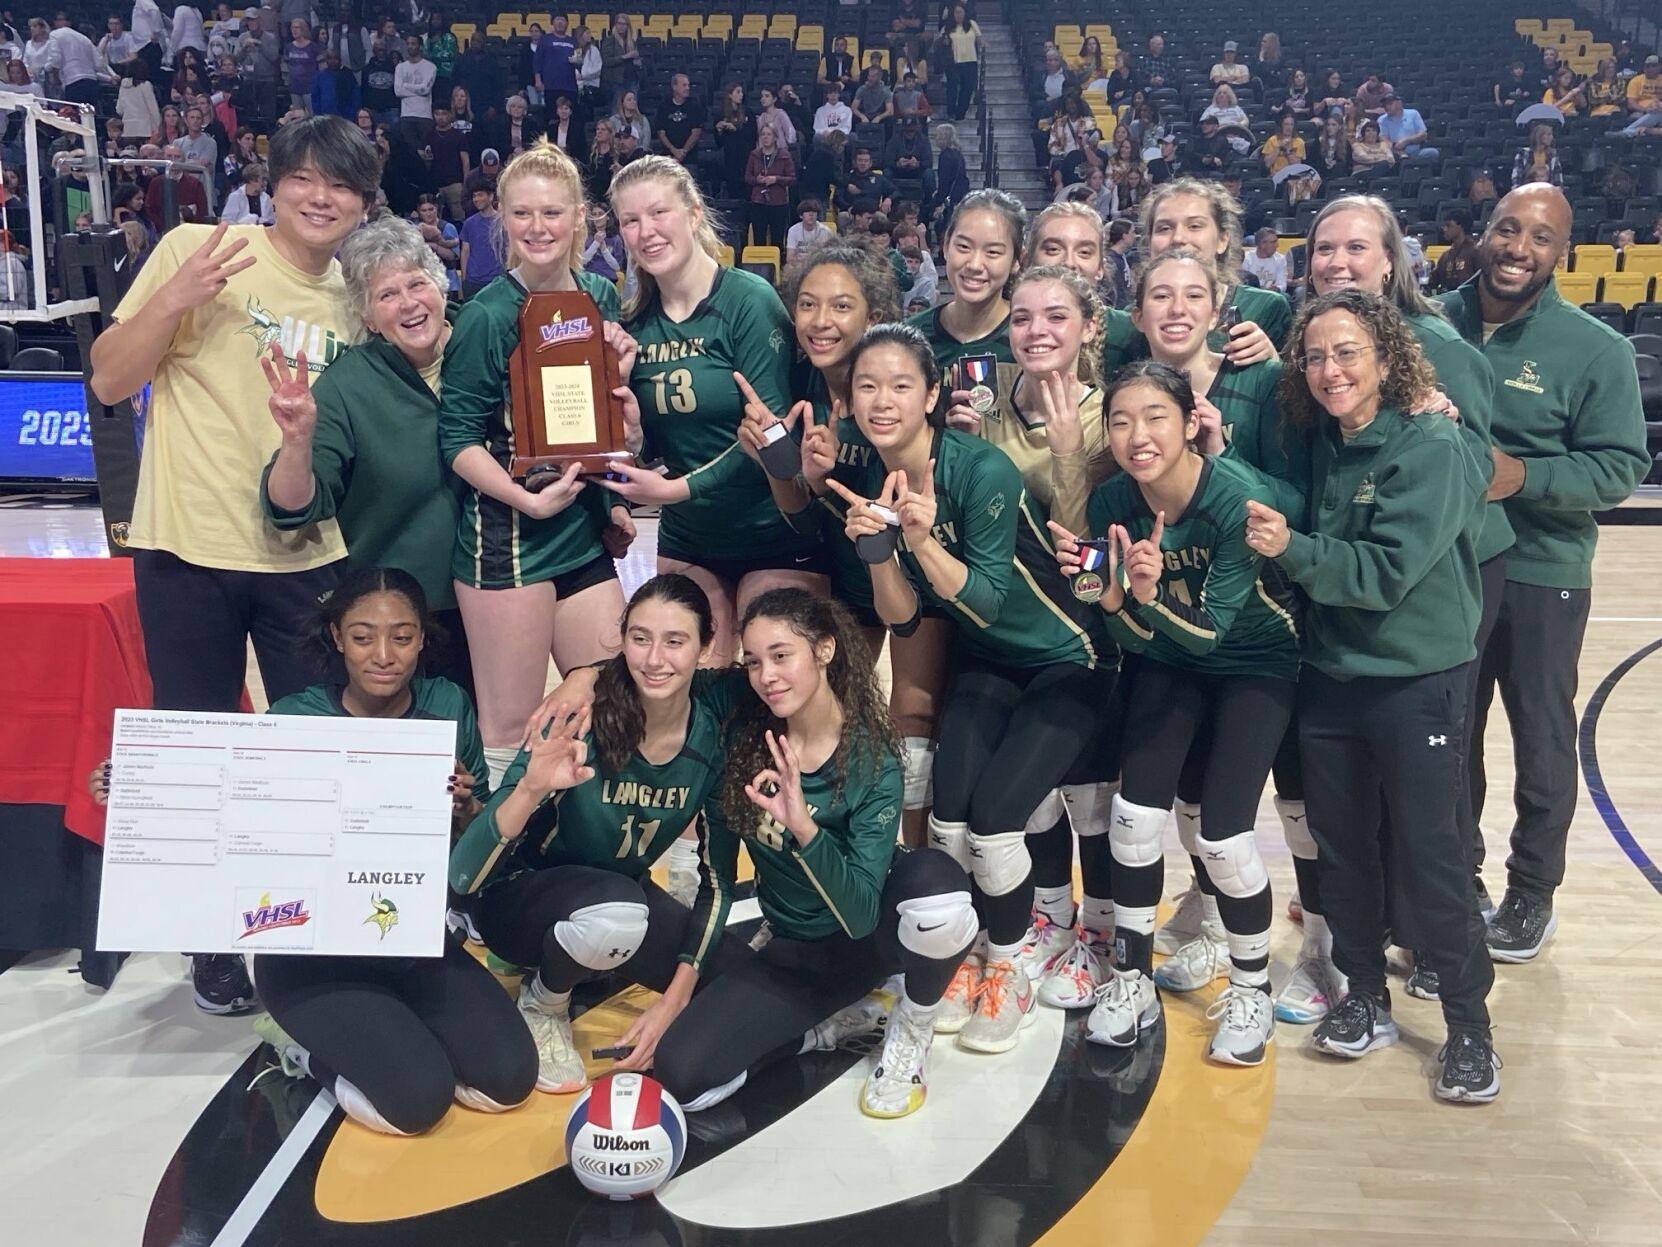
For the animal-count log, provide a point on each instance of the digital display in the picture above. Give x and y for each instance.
(45, 429)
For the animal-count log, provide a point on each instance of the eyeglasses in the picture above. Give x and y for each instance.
(1345, 357)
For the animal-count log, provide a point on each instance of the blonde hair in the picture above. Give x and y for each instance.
(544, 160)
(705, 222)
(1090, 308)
(1226, 214)
(1056, 212)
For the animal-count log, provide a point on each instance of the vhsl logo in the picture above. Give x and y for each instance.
(268, 917)
(559, 331)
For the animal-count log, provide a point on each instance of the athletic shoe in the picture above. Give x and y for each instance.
(503, 967)
(1471, 1069)
(1484, 902)
(1073, 982)
(1316, 986)
(1126, 1005)
(1007, 1002)
(899, 1081)
(1184, 924)
(1521, 927)
(682, 885)
(559, 1068)
(460, 922)
(291, 1057)
(1201, 961)
(1047, 943)
(220, 983)
(963, 994)
(1422, 981)
(1246, 1025)
(1295, 908)
(863, 1017)
(1356, 1027)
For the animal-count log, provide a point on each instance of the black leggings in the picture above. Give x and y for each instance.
(404, 1031)
(756, 1008)
(1009, 735)
(1098, 762)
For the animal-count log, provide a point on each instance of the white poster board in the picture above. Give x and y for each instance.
(276, 834)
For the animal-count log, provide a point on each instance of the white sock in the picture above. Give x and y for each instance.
(1209, 911)
(1003, 952)
(498, 758)
(683, 856)
(915, 1009)
(547, 999)
(1097, 916)
(1316, 934)
(1257, 979)
(1056, 904)
(1137, 920)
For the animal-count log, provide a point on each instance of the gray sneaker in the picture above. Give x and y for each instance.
(1521, 927)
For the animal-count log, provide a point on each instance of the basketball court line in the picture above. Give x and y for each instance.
(258, 1199)
(1588, 747)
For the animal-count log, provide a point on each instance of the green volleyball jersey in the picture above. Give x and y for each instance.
(1253, 432)
(690, 413)
(621, 822)
(1268, 309)
(850, 576)
(498, 547)
(435, 698)
(835, 883)
(949, 350)
(1221, 608)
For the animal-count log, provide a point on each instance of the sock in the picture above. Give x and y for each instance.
(1003, 952)
(498, 758)
(1316, 935)
(1134, 938)
(547, 999)
(683, 856)
(1056, 904)
(1097, 916)
(915, 1009)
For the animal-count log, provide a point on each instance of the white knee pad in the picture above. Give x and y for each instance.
(937, 927)
(1187, 814)
(472, 1097)
(1135, 832)
(1234, 865)
(356, 1105)
(1295, 825)
(1000, 863)
(1089, 806)
(603, 937)
(1047, 815)
(951, 839)
(918, 767)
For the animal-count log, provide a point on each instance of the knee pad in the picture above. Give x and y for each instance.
(1047, 815)
(1187, 814)
(1295, 825)
(1235, 866)
(1089, 806)
(472, 1097)
(951, 839)
(938, 927)
(1000, 863)
(604, 936)
(918, 767)
(1135, 832)
(356, 1105)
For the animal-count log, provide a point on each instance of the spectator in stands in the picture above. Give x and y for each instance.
(336, 89)
(909, 100)
(1655, 234)
(36, 49)
(1144, 126)
(173, 125)
(448, 161)
(1513, 89)
(1565, 94)
(1371, 95)
(75, 64)
(1229, 69)
(1282, 148)
(838, 64)
(951, 173)
(1480, 191)
(909, 57)
(348, 37)
(477, 69)
(135, 103)
(628, 150)
(461, 110)
(1090, 73)
(873, 102)
(833, 115)
(248, 204)
(736, 136)
(1606, 93)
(620, 58)
(771, 114)
(1231, 119)
(1122, 237)
(403, 173)
(1265, 262)
(1460, 261)
(1169, 165)
(1330, 155)
(187, 32)
(1404, 129)
(1545, 71)
(413, 84)
(189, 75)
(553, 73)
(302, 59)
(680, 124)
(908, 157)
(1158, 69)
(443, 239)
(629, 117)
(1298, 95)
(481, 263)
(1125, 158)
(908, 17)
(1370, 154)
(245, 152)
(379, 81)
(967, 45)
(565, 131)
(589, 62)
(189, 197)
(1211, 151)
(1129, 192)
(1333, 94)
(1122, 80)
(198, 146)
(1269, 67)
(604, 254)
(441, 49)
(1057, 79)
(807, 231)
(1537, 161)
(602, 161)
(1644, 99)
(866, 181)
(770, 175)
(118, 48)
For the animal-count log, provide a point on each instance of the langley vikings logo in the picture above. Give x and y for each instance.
(268, 917)
(383, 913)
(558, 331)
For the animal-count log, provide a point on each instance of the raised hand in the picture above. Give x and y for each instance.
(1066, 435)
(1209, 440)
(916, 508)
(623, 346)
(291, 403)
(1266, 530)
(201, 277)
(862, 519)
(557, 762)
(1248, 344)
(777, 790)
(819, 447)
(960, 415)
(1144, 563)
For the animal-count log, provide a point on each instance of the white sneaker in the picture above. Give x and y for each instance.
(1126, 1005)
(962, 994)
(1246, 1025)
(1046, 944)
(1007, 1003)
(1184, 924)
(1072, 983)
(559, 1068)
(898, 1083)
(863, 1017)
(1316, 986)
(1198, 963)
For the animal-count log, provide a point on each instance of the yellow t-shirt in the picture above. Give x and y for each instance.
(1643, 90)
(963, 43)
(209, 433)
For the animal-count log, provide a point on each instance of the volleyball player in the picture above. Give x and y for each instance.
(558, 860)
(1068, 234)
(1390, 569)
(533, 561)
(1032, 671)
(197, 323)
(1215, 686)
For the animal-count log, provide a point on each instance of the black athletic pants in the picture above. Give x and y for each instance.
(403, 1030)
(1532, 655)
(1492, 576)
(1383, 758)
(756, 1010)
(1098, 763)
(198, 621)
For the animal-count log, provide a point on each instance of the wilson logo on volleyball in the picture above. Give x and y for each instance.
(561, 331)
(268, 917)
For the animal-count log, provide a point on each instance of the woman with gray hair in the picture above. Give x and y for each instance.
(362, 445)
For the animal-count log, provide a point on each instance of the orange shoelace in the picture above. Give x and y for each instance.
(996, 980)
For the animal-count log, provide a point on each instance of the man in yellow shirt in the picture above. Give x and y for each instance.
(1644, 98)
(208, 307)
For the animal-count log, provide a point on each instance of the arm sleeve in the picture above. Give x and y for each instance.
(1604, 455)
(1070, 485)
(1282, 454)
(1420, 507)
(1230, 578)
(849, 878)
(718, 863)
(722, 472)
(1127, 630)
(474, 380)
(989, 512)
(481, 849)
(332, 457)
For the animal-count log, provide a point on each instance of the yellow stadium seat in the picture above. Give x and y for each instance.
(782, 24)
(463, 32)
(882, 55)
(1527, 26)
(1643, 258)
(1558, 23)
(1598, 51)
(725, 256)
(1595, 258)
(545, 20)
(1070, 31)
(1101, 30)
(1625, 288)
(1434, 253)
(496, 30)
(1284, 245)
(1577, 288)
(763, 255)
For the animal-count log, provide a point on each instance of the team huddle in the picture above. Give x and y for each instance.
(1125, 566)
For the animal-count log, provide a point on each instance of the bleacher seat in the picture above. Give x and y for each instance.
(1643, 258)
(765, 258)
(1595, 259)
(1612, 314)
(1628, 289)
(1578, 288)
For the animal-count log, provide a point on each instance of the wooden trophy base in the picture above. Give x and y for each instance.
(595, 463)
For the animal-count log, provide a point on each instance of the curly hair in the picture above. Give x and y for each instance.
(1089, 303)
(865, 263)
(869, 735)
(619, 718)
(1408, 374)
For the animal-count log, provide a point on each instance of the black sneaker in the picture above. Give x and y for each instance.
(1422, 983)
(1485, 904)
(1521, 926)
(1471, 1069)
(1358, 1026)
(221, 983)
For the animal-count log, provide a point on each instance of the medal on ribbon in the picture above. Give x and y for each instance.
(1088, 585)
(979, 375)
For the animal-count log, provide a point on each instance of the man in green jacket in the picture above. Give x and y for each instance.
(1569, 440)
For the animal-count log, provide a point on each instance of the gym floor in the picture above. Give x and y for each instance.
(138, 1120)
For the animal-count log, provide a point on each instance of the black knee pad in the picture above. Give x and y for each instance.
(924, 872)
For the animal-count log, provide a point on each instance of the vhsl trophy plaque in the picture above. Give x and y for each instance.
(561, 377)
